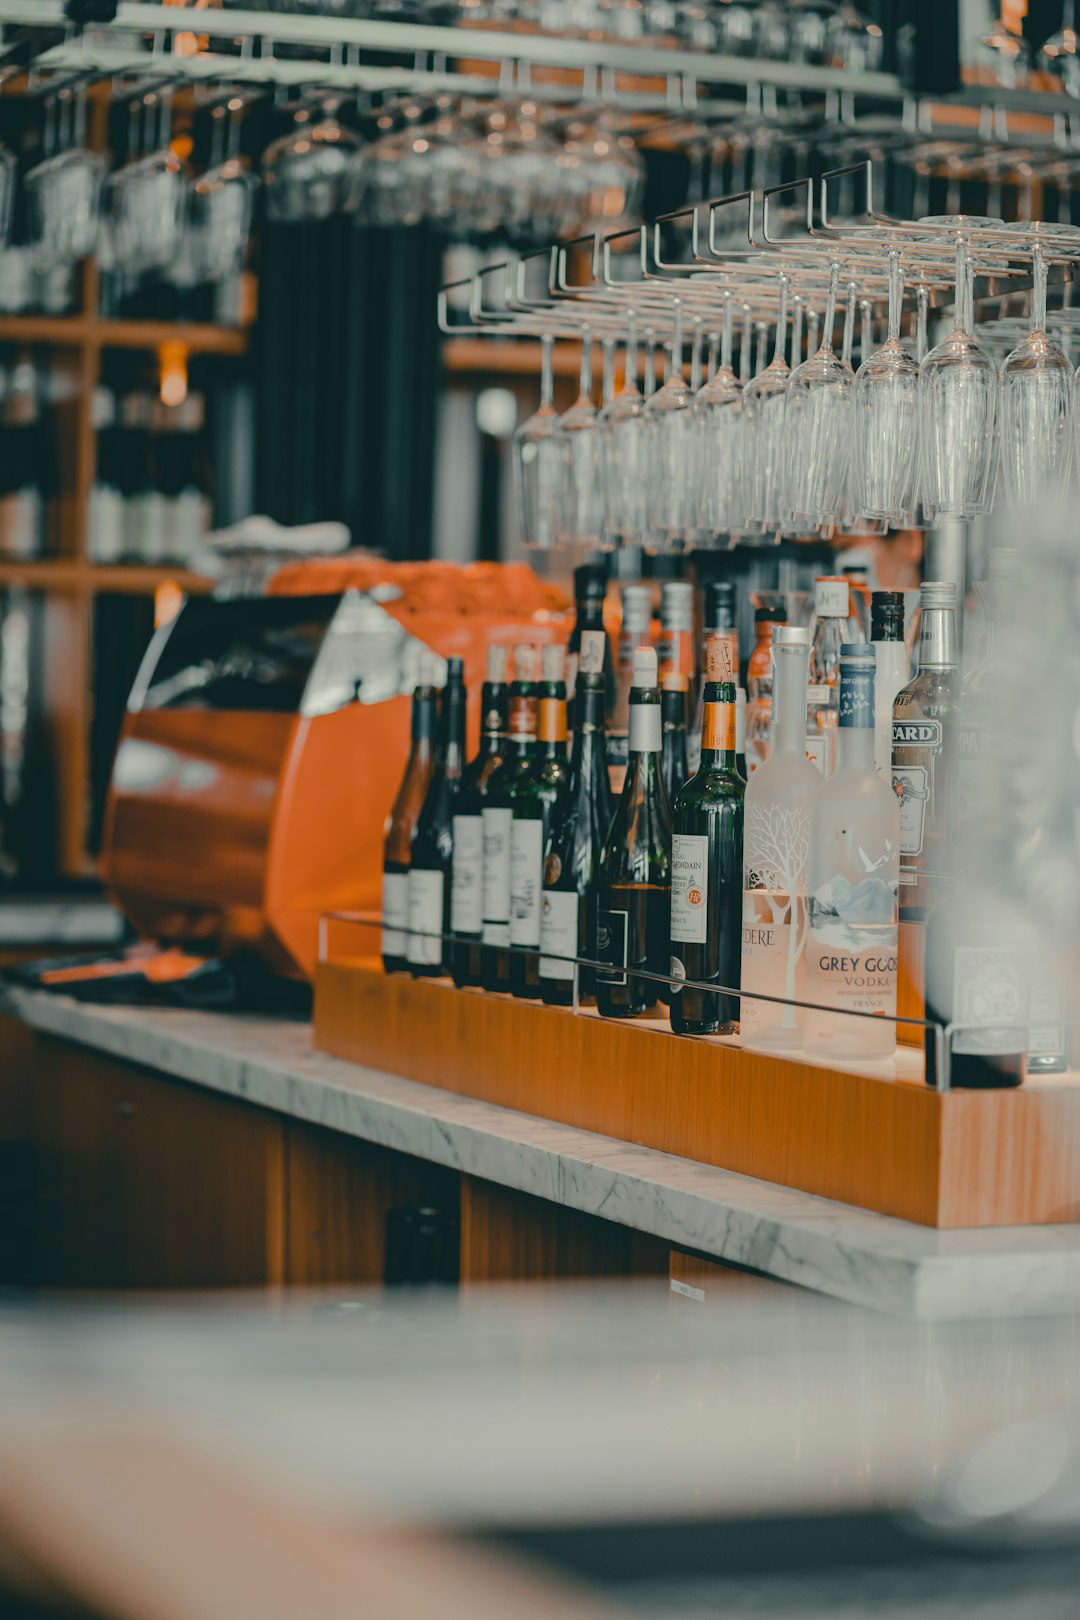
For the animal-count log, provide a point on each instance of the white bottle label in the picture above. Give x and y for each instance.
(831, 598)
(645, 730)
(425, 918)
(395, 910)
(467, 886)
(991, 999)
(851, 954)
(591, 658)
(496, 888)
(526, 878)
(558, 935)
(689, 888)
(105, 524)
(911, 783)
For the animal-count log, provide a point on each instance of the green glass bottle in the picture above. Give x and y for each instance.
(497, 818)
(674, 696)
(579, 827)
(467, 888)
(633, 912)
(432, 849)
(535, 803)
(706, 876)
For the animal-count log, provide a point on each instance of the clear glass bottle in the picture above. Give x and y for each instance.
(400, 824)
(579, 827)
(924, 756)
(890, 670)
(535, 800)
(759, 686)
(851, 953)
(432, 849)
(633, 910)
(818, 699)
(497, 820)
(706, 876)
(718, 605)
(776, 842)
(834, 623)
(467, 884)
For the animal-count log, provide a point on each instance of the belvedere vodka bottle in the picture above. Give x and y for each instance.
(854, 877)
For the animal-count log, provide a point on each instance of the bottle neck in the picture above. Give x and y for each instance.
(937, 639)
(646, 728)
(789, 698)
(493, 717)
(718, 727)
(590, 613)
(521, 733)
(673, 709)
(854, 748)
(423, 715)
(450, 749)
(552, 721)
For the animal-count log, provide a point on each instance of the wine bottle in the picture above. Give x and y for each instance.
(400, 824)
(578, 829)
(924, 775)
(588, 637)
(674, 688)
(675, 650)
(467, 886)
(776, 844)
(535, 801)
(633, 912)
(834, 624)
(890, 672)
(432, 849)
(854, 874)
(634, 633)
(740, 732)
(497, 818)
(706, 872)
(719, 613)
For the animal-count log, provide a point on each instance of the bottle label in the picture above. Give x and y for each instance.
(991, 994)
(496, 885)
(552, 720)
(645, 728)
(395, 910)
(558, 935)
(526, 877)
(689, 887)
(718, 728)
(523, 717)
(831, 598)
(467, 885)
(591, 657)
(425, 918)
(773, 960)
(851, 954)
(612, 933)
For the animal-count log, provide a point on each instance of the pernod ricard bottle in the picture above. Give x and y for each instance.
(851, 959)
(579, 827)
(400, 824)
(432, 849)
(467, 885)
(924, 750)
(706, 874)
(497, 818)
(634, 903)
(776, 844)
(534, 806)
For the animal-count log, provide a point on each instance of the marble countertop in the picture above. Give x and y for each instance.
(833, 1249)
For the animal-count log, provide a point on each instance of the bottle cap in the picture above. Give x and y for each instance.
(719, 604)
(791, 635)
(428, 668)
(525, 661)
(770, 615)
(645, 666)
(553, 661)
(455, 669)
(860, 651)
(832, 596)
(853, 569)
(590, 582)
(497, 657)
(636, 604)
(887, 616)
(937, 593)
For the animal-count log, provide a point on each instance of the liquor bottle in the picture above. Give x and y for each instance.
(26, 481)
(858, 578)
(676, 646)
(706, 876)
(588, 638)
(400, 824)
(759, 686)
(674, 689)
(776, 843)
(740, 732)
(432, 849)
(467, 884)
(851, 953)
(497, 818)
(635, 633)
(634, 904)
(719, 615)
(924, 755)
(890, 670)
(105, 508)
(535, 800)
(834, 624)
(578, 829)
(817, 726)
(977, 977)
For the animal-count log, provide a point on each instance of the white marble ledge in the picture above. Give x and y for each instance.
(832, 1248)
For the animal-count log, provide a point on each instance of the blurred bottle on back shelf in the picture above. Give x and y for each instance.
(675, 649)
(28, 472)
(183, 477)
(674, 695)
(105, 515)
(467, 887)
(759, 686)
(590, 590)
(834, 623)
(402, 821)
(635, 632)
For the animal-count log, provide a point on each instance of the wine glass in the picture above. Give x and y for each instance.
(958, 387)
(885, 447)
(669, 424)
(763, 435)
(717, 420)
(538, 466)
(147, 202)
(63, 192)
(1060, 54)
(1036, 411)
(582, 505)
(817, 425)
(622, 451)
(313, 172)
(222, 204)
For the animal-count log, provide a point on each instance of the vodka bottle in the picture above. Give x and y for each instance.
(851, 956)
(776, 844)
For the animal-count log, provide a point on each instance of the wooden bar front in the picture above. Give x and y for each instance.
(965, 1159)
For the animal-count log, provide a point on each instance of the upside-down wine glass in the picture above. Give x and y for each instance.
(582, 506)
(222, 203)
(538, 468)
(63, 192)
(622, 451)
(717, 427)
(669, 446)
(817, 426)
(763, 437)
(1037, 411)
(958, 388)
(885, 446)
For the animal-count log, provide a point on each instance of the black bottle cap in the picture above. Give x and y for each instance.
(887, 616)
(770, 615)
(719, 604)
(590, 582)
(455, 670)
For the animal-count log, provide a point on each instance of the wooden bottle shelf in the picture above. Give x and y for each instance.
(129, 579)
(88, 331)
(877, 1137)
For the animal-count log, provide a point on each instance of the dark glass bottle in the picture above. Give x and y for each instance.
(674, 689)
(579, 827)
(706, 876)
(972, 975)
(467, 884)
(535, 803)
(399, 830)
(497, 818)
(589, 647)
(431, 854)
(634, 903)
(718, 606)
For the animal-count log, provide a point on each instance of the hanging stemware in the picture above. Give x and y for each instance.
(582, 504)
(622, 451)
(668, 423)
(537, 463)
(1037, 412)
(885, 449)
(763, 438)
(958, 389)
(717, 416)
(817, 426)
